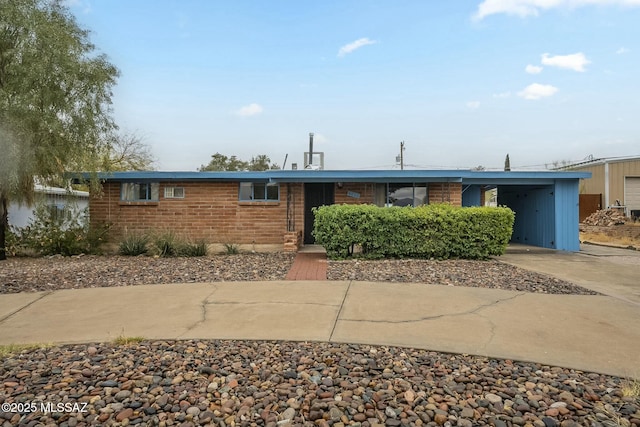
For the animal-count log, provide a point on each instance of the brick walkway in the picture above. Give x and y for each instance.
(308, 266)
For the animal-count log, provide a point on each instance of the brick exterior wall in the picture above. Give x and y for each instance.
(212, 211)
(365, 190)
(445, 192)
(209, 211)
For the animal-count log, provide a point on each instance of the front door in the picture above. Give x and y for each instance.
(315, 195)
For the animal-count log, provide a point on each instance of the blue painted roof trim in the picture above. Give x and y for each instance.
(465, 176)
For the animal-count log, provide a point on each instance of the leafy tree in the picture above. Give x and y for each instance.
(261, 162)
(55, 98)
(220, 162)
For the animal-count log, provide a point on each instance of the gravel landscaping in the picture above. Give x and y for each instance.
(480, 274)
(275, 384)
(280, 384)
(51, 273)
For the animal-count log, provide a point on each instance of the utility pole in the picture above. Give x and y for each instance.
(401, 155)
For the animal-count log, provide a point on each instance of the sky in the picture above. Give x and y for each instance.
(462, 82)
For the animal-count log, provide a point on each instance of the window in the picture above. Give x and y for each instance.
(57, 212)
(259, 192)
(174, 192)
(401, 194)
(139, 191)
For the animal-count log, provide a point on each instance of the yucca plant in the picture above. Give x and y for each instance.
(166, 244)
(134, 245)
(193, 249)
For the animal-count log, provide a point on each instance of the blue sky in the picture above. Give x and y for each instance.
(463, 83)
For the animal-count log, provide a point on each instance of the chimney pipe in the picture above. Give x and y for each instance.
(310, 148)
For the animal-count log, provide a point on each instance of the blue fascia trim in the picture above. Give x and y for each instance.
(465, 176)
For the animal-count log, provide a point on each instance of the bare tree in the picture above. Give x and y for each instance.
(126, 152)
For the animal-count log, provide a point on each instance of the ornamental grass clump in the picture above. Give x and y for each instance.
(134, 245)
(162, 244)
(193, 249)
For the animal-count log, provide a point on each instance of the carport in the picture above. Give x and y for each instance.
(545, 203)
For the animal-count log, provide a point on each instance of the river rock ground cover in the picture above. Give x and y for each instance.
(282, 384)
(257, 383)
(52, 273)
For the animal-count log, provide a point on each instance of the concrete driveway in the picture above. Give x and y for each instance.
(608, 270)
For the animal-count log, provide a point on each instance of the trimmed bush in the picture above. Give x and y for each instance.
(434, 231)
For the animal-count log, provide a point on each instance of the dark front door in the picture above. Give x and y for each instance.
(315, 195)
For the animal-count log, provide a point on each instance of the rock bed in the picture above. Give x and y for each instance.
(281, 384)
(51, 273)
(482, 274)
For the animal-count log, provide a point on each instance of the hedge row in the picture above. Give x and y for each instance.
(432, 231)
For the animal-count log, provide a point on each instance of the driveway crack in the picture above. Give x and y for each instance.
(439, 316)
(203, 312)
(318, 304)
(13, 313)
(335, 323)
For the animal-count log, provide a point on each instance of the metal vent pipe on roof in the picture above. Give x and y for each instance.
(310, 148)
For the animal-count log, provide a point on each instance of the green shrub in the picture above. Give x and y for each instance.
(166, 243)
(434, 231)
(53, 232)
(231, 249)
(193, 249)
(16, 243)
(134, 245)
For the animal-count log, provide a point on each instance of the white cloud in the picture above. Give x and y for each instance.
(533, 69)
(473, 105)
(502, 95)
(249, 110)
(350, 47)
(523, 8)
(622, 50)
(537, 91)
(575, 61)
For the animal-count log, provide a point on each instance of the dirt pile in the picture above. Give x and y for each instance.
(605, 218)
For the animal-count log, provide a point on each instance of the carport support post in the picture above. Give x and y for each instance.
(606, 185)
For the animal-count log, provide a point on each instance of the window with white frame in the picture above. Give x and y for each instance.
(139, 191)
(259, 192)
(174, 192)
